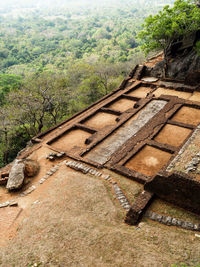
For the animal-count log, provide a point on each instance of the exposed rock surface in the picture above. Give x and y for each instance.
(182, 62)
(16, 175)
(31, 168)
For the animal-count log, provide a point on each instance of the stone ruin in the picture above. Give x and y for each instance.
(146, 130)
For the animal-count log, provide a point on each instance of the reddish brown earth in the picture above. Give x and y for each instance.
(148, 161)
(164, 91)
(122, 104)
(141, 92)
(188, 115)
(71, 139)
(100, 120)
(172, 135)
(74, 219)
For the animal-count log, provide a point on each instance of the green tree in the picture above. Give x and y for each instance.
(41, 102)
(169, 25)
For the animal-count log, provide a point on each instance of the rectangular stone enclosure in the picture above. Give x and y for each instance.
(148, 161)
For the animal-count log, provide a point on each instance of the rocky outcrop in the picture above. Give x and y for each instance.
(182, 62)
(31, 167)
(16, 175)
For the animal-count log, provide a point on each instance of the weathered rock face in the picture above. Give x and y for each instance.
(16, 176)
(182, 61)
(183, 66)
(31, 167)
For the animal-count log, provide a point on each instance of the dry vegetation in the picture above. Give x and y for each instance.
(77, 223)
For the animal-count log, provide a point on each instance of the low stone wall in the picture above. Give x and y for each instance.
(177, 189)
(170, 221)
(136, 211)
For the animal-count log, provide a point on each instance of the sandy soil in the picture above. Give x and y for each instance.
(141, 92)
(187, 115)
(100, 120)
(148, 161)
(76, 222)
(71, 139)
(154, 61)
(122, 104)
(195, 97)
(163, 91)
(172, 135)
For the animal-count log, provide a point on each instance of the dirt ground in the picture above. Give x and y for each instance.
(173, 135)
(122, 104)
(163, 91)
(100, 120)
(187, 115)
(148, 161)
(77, 222)
(141, 92)
(71, 139)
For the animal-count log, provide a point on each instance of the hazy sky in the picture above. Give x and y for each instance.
(27, 3)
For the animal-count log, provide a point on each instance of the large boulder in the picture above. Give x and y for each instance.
(16, 175)
(31, 167)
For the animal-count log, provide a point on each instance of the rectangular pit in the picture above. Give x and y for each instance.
(195, 97)
(102, 152)
(71, 139)
(172, 135)
(140, 92)
(148, 161)
(164, 91)
(122, 104)
(187, 115)
(100, 120)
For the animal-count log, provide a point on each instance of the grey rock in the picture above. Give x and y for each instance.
(179, 222)
(53, 170)
(127, 207)
(105, 176)
(42, 181)
(195, 161)
(49, 173)
(119, 193)
(16, 176)
(158, 217)
(188, 225)
(59, 155)
(153, 216)
(5, 204)
(196, 227)
(191, 169)
(29, 190)
(121, 197)
(166, 220)
(148, 214)
(174, 221)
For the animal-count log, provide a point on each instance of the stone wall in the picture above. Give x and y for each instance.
(177, 189)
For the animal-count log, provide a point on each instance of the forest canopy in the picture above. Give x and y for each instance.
(170, 24)
(57, 57)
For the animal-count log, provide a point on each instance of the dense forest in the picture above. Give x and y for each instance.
(55, 59)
